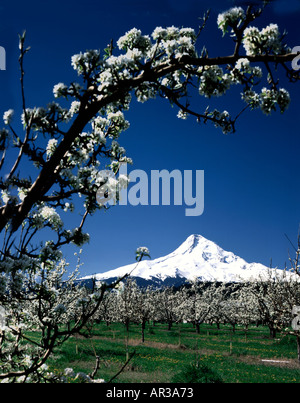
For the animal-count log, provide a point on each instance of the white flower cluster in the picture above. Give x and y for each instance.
(75, 105)
(230, 18)
(174, 80)
(69, 207)
(45, 119)
(47, 215)
(100, 126)
(2, 314)
(175, 41)
(118, 152)
(16, 267)
(86, 62)
(58, 307)
(8, 284)
(49, 253)
(255, 41)
(77, 237)
(268, 40)
(117, 124)
(60, 90)
(243, 66)
(34, 378)
(70, 374)
(123, 66)
(145, 92)
(5, 196)
(213, 81)
(8, 116)
(141, 252)
(82, 175)
(222, 120)
(268, 99)
(170, 42)
(51, 147)
(37, 115)
(134, 39)
(50, 214)
(22, 193)
(182, 114)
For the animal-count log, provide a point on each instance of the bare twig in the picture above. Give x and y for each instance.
(123, 367)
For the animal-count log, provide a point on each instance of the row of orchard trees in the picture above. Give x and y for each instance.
(266, 301)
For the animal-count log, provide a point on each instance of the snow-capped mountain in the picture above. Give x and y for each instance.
(197, 257)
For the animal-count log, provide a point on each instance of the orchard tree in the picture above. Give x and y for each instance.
(216, 296)
(65, 141)
(196, 306)
(240, 306)
(126, 309)
(275, 296)
(126, 295)
(106, 311)
(144, 306)
(287, 297)
(247, 307)
(167, 305)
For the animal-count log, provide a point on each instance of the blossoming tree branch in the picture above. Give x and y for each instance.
(66, 144)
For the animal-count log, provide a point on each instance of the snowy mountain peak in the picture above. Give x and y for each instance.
(190, 243)
(196, 257)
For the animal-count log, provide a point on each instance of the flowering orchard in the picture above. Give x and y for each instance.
(65, 144)
(263, 301)
(267, 301)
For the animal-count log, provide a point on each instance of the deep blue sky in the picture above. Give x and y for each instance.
(251, 177)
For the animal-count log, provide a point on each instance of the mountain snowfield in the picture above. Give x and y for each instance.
(197, 257)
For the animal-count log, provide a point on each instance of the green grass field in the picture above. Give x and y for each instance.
(237, 357)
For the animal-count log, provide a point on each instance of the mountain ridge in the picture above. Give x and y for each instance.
(196, 257)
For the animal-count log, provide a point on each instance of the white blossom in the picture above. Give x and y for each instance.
(59, 90)
(85, 61)
(242, 64)
(49, 253)
(5, 196)
(75, 105)
(141, 252)
(2, 318)
(182, 115)
(69, 372)
(231, 18)
(51, 147)
(134, 39)
(258, 42)
(213, 81)
(252, 98)
(123, 181)
(159, 33)
(8, 116)
(47, 214)
(283, 99)
(22, 193)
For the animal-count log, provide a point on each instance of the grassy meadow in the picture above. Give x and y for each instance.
(167, 356)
